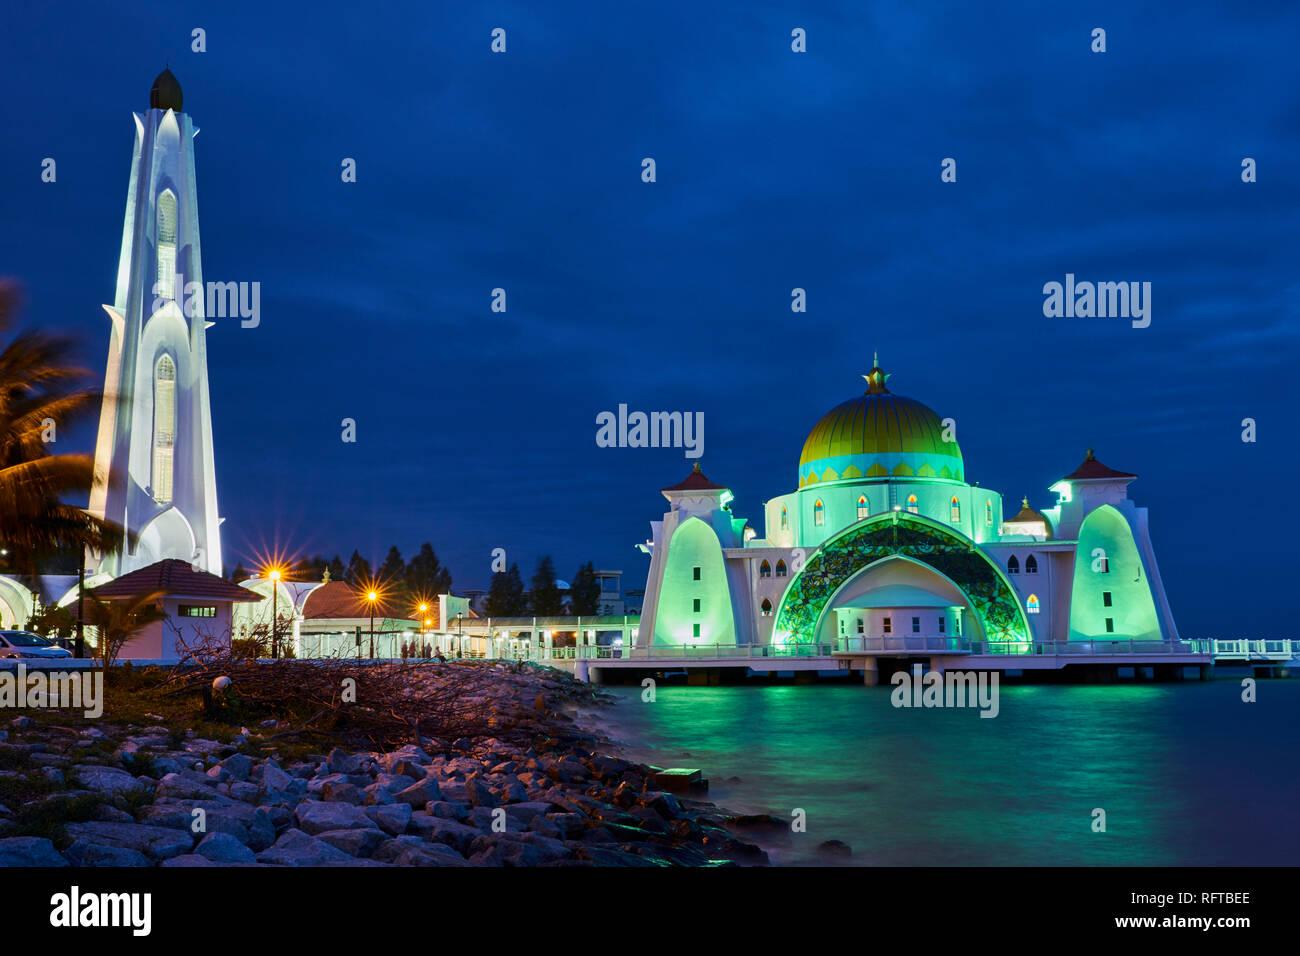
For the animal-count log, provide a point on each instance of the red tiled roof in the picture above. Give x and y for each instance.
(340, 599)
(696, 481)
(1092, 469)
(175, 578)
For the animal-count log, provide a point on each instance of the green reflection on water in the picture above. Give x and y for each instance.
(1179, 769)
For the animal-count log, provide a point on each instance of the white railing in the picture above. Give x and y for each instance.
(902, 642)
(1270, 649)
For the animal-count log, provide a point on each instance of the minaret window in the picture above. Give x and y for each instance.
(819, 513)
(1031, 565)
(765, 570)
(164, 427)
(1013, 565)
(166, 288)
(780, 569)
(956, 510)
(912, 506)
(785, 521)
(988, 513)
(863, 510)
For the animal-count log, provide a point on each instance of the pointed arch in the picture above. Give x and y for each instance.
(956, 510)
(983, 583)
(1031, 604)
(780, 569)
(765, 569)
(912, 505)
(164, 428)
(1031, 565)
(1013, 565)
(785, 519)
(166, 276)
(863, 510)
(766, 608)
(819, 513)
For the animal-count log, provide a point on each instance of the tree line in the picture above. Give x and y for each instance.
(425, 577)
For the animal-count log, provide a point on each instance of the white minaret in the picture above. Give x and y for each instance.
(154, 472)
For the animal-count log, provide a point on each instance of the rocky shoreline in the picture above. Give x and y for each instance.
(150, 796)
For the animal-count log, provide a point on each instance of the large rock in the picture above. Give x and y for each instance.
(342, 793)
(29, 851)
(440, 830)
(392, 818)
(358, 843)
(188, 785)
(106, 779)
(295, 848)
(340, 761)
(417, 795)
(314, 817)
(224, 848)
(480, 795)
(157, 843)
(82, 853)
(239, 766)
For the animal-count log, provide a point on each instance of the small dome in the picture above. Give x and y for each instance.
(877, 435)
(166, 93)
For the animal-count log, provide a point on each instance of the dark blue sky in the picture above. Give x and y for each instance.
(775, 170)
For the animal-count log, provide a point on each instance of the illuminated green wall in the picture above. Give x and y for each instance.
(694, 544)
(1132, 610)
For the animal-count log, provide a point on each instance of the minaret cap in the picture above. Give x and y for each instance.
(166, 93)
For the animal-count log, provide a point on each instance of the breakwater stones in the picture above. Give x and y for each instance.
(174, 799)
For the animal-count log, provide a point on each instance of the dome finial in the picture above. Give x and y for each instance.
(166, 92)
(1025, 501)
(696, 469)
(1089, 456)
(876, 378)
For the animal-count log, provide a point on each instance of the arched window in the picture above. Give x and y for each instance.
(765, 570)
(785, 520)
(1031, 565)
(911, 505)
(166, 245)
(1013, 565)
(863, 510)
(956, 510)
(767, 608)
(988, 512)
(819, 513)
(164, 427)
(780, 569)
(1031, 605)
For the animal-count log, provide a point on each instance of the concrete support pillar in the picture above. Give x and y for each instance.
(937, 664)
(870, 672)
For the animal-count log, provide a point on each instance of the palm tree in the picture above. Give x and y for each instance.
(117, 620)
(40, 391)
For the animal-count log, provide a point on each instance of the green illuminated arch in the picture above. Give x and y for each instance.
(990, 595)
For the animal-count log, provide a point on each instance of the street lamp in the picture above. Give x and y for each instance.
(372, 597)
(274, 575)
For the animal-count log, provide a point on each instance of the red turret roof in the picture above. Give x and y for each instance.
(1093, 470)
(696, 481)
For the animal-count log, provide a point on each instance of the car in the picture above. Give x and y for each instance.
(26, 644)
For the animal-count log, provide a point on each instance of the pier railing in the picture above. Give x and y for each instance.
(677, 652)
(940, 644)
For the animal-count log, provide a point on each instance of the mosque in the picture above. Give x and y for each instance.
(883, 544)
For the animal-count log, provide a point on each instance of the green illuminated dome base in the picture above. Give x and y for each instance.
(879, 435)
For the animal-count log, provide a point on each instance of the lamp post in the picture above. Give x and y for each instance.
(275, 615)
(424, 627)
(80, 645)
(372, 597)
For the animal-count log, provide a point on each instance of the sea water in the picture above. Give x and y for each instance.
(1178, 774)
